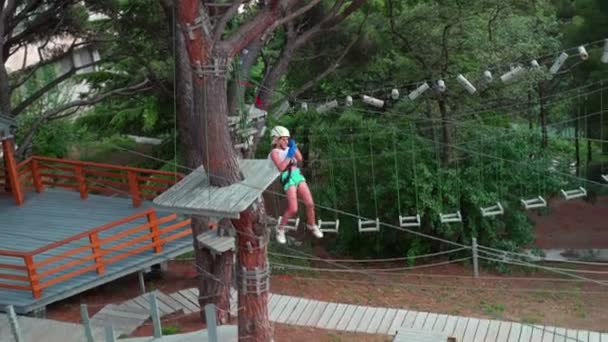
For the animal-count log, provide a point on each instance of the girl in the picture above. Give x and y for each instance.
(286, 156)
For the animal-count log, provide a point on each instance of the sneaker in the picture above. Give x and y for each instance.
(314, 229)
(281, 236)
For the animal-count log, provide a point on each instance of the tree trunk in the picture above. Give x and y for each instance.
(5, 94)
(212, 279)
(447, 136)
(543, 116)
(209, 111)
(220, 160)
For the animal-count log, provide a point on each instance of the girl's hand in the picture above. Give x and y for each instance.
(291, 152)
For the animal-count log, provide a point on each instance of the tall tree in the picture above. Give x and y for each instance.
(205, 50)
(55, 29)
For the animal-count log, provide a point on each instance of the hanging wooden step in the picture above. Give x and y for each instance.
(574, 193)
(369, 225)
(533, 203)
(329, 226)
(409, 221)
(292, 223)
(450, 218)
(493, 210)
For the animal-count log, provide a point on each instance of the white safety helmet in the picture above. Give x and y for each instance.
(279, 131)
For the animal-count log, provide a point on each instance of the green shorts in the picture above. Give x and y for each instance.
(294, 180)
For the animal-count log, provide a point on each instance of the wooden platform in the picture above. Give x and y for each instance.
(193, 195)
(68, 268)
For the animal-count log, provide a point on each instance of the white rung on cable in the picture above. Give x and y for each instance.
(292, 223)
(409, 221)
(369, 225)
(605, 178)
(329, 226)
(533, 203)
(494, 210)
(449, 218)
(574, 193)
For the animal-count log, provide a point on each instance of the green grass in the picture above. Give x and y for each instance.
(492, 309)
(171, 330)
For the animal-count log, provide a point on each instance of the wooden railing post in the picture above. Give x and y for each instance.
(37, 179)
(31, 274)
(82, 184)
(154, 230)
(13, 173)
(96, 249)
(134, 188)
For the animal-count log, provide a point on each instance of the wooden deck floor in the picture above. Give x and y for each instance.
(55, 215)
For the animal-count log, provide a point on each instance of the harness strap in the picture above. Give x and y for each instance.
(286, 180)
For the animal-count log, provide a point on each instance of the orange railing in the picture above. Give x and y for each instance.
(90, 177)
(92, 250)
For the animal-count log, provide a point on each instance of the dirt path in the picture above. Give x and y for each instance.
(575, 224)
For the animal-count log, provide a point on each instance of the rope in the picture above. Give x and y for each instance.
(371, 157)
(333, 186)
(368, 270)
(413, 257)
(602, 124)
(543, 268)
(174, 94)
(397, 183)
(352, 144)
(414, 166)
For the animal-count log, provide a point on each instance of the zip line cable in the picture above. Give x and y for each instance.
(355, 261)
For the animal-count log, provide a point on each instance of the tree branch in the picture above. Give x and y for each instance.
(221, 25)
(78, 104)
(289, 17)
(43, 90)
(251, 30)
(324, 74)
(397, 34)
(44, 62)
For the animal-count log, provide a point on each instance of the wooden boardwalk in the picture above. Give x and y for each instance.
(55, 215)
(388, 321)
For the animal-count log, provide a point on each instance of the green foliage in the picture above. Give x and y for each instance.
(52, 138)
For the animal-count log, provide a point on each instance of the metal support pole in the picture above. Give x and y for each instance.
(12, 317)
(475, 261)
(142, 283)
(211, 323)
(158, 333)
(110, 336)
(86, 322)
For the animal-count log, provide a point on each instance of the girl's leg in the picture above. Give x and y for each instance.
(292, 206)
(306, 196)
